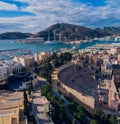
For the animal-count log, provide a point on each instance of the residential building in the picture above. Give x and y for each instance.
(115, 51)
(25, 60)
(42, 56)
(7, 67)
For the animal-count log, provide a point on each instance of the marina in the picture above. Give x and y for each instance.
(10, 49)
(9, 54)
(102, 46)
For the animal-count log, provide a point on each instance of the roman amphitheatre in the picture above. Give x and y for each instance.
(80, 83)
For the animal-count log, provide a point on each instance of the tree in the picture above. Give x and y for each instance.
(45, 89)
(54, 100)
(59, 60)
(74, 121)
(49, 77)
(61, 106)
(100, 116)
(61, 101)
(55, 62)
(26, 104)
(26, 108)
(25, 96)
(54, 56)
(93, 122)
(72, 106)
(31, 86)
(48, 66)
(61, 113)
(113, 119)
(49, 95)
(81, 113)
(68, 56)
(29, 91)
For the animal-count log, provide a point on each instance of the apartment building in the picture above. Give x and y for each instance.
(42, 56)
(25, 60)
(115, 51)
(7, 67)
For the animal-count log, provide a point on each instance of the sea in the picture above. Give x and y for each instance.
(44, 47)
(48, 46)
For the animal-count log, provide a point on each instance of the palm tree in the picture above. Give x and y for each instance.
(113, 119)
(100, 117)
(29, 91)
(93, 122)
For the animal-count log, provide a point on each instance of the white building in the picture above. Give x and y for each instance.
(7, 67)
(42, 56)
(115, 51)
(25, 60)
(3, 71)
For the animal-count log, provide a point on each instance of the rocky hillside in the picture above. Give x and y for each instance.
(14, 35)
(109, 30)
(67, 32)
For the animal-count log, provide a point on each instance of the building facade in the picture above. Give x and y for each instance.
(7, 68)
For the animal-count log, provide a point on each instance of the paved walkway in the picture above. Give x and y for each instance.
(55, 80)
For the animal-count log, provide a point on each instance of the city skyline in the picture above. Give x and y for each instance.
(36, 15)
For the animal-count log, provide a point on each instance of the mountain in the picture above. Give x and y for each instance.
(14, 35)
(109, 30)
(67, 32)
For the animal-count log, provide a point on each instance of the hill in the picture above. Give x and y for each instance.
(109, 30)
(14, 35)
(67, 32)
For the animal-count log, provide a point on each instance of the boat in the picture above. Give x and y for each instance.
(37, 40)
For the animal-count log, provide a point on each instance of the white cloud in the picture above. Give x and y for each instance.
(48, 12)
(7, 6)
(113, 3)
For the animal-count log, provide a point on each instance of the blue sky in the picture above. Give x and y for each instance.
(95, 3)
(36, 15)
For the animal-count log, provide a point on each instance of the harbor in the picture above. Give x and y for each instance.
(10, 54)
(102, 47)
(9, 49)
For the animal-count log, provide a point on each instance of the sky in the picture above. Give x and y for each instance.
(35, 15)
